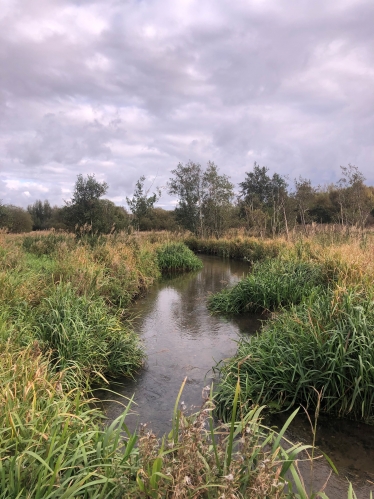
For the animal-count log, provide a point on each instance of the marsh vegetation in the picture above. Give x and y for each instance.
(65, 325)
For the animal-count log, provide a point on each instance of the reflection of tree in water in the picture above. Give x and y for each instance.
(189, 311)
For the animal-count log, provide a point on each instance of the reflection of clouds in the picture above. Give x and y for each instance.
(181, 339)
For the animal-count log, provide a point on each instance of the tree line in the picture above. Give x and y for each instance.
(207, 204)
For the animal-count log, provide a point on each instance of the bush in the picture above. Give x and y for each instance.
(15, 219)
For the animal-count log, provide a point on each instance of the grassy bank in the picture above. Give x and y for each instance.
(64, 326)
(238, 248)
(53, 445)
(317, 349)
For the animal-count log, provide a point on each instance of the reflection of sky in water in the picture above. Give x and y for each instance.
(182, 339)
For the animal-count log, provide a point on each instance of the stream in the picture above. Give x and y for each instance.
(182, 339)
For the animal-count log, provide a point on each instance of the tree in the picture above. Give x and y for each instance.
(355, 198)
(186, 184)
(15, 219)
(217, 194)
(41, 213)
(262, 193)
(160, 219)
(304, 196)
(204, 198)
(141, 205)
(85, 206)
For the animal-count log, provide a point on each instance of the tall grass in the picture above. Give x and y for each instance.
(175, 256)
(239, 248)
(52, 445)
(82, 332)
(270, 284)
(323, 347)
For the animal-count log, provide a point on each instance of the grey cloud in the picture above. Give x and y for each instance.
(125, 89)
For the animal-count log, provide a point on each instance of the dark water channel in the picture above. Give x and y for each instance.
(182, 339)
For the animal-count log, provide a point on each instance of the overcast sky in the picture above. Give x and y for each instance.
(122, 88)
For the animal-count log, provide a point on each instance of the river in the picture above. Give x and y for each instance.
(182, 339)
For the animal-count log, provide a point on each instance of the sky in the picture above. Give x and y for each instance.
(124, 88)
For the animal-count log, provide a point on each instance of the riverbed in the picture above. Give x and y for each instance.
(182, 339)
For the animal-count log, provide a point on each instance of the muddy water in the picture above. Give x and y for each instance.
(183, 340)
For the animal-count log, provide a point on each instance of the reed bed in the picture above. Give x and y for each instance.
(239, 248)
(63, 327)
(82, 332)
(53, 445)
(318, 353)
(270, 285)
(318, 345)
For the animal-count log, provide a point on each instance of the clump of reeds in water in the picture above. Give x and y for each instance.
(176, 256)
(323, 348)
(270, 284)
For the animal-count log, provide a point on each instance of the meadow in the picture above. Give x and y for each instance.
(65, 327)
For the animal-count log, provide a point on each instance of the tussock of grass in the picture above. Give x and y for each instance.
(177, 257)
(270, 284)
(82, 332)
(323, 346)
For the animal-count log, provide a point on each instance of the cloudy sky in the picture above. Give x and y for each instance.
(122, 88)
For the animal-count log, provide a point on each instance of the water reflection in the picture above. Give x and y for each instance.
(182, 339)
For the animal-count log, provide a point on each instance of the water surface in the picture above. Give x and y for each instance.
(183, 340)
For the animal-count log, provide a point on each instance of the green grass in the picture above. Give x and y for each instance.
(321, 349)
(249, 249)
(271, 284)
(177, 257)
(83, 332)
(53, 446)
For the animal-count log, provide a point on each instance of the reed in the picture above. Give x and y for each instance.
(239, 248)
(271, 284)
(323, 346)
(175, 256)
(82, 332)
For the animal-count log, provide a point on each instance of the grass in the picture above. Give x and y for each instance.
(323, 347)
(63, 327)
(175, 256)
(317, 348)
(271, 284)
(52, 445)
(82, 332)
(237, 247)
